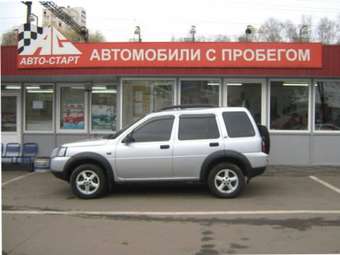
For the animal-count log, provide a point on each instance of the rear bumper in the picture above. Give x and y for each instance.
(256, 171)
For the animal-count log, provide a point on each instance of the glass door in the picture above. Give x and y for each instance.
(246, 93)
(10, 118)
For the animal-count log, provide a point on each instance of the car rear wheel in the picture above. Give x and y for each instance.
(226, 180)
(88, 181)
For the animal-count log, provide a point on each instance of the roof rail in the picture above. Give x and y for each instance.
(185, 106)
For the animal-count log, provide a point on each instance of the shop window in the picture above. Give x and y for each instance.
(245, 94)
(200, 92)
(39, 107)
(144, 96)
(103, 107)
(72, 108)
(289, 105)
(327, 105)
(8, 113)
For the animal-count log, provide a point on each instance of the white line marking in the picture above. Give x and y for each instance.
(17, 178)
(326, 184)
(160, 213)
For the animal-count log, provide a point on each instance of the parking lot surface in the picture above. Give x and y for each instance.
(282, 212)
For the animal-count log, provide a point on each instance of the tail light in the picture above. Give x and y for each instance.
(263, 146)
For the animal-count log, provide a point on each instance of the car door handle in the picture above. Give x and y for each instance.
(213, 144)
(163, 147)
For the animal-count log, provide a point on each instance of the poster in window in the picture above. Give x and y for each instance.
(37, 104)
(73, 116)
(102, 116)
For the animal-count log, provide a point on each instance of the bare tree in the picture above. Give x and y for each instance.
(202, 38)
(338, 29)
(305, 29)
(271, 31)
(326, 31)
(291, 31)
(96, 37)
(9, 38)
(221, 38)
(298, 33)
(242, 38)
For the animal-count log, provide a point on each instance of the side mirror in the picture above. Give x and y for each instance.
(128, 139)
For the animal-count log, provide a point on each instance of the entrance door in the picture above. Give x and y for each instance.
(249, 94)
(10, 118)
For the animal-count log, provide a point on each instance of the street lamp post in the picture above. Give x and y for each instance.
(29, 10)
(303, 33)
(138, 32)
(193, 33)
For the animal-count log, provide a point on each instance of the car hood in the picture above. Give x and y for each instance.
(92, 142)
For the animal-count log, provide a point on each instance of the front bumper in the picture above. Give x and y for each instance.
(59, 175)
(57, 167)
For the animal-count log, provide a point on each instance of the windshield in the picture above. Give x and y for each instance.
(118, 133)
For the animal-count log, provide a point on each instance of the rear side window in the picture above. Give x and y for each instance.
(238, 124)
(201, 126)
(154, 130)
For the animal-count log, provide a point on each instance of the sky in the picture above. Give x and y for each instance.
(161, 20)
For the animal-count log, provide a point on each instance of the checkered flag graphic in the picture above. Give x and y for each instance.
(27, 32)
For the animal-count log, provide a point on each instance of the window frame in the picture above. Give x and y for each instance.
(101, 131)
(121, 96)
(58, 112)
(316, 131)
(17, 93)
(27, 131)
(197, 115)
(200, 79)
(170, 116)
(263, 94)
(283, 131)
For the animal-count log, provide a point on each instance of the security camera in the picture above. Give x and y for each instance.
(249, 30)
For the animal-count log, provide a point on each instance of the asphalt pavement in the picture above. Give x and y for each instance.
(281, 212)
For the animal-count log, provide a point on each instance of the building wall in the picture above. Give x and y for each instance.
(309, 147)
(77, 13)
(306, 147)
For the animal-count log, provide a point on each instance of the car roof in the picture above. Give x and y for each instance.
(198, 110)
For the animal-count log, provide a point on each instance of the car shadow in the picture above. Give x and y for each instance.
(159, 189)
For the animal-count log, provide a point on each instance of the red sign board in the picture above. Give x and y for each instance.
(52, 50)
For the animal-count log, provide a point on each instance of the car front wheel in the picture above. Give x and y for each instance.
(88, 181)
(226, 180)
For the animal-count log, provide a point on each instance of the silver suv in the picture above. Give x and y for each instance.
(220, 146)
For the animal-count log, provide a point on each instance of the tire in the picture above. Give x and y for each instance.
(94, 186)
(232, 186)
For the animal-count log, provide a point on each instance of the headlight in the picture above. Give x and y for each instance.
(62, 152)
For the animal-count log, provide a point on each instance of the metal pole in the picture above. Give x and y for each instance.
(29, 10)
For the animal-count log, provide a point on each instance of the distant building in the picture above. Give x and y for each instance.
(77, 13)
